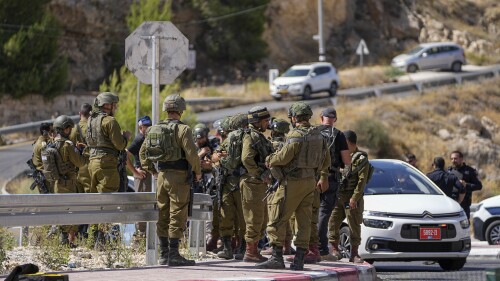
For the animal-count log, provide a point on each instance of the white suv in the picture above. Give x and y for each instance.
(306, 79)
(486, 221)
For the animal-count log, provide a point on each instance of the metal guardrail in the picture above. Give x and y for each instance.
(75, 208)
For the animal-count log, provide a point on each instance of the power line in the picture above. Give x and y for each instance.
(224, 16)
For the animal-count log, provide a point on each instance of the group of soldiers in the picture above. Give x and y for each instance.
(281, 186)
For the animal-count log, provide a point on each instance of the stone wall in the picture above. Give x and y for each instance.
(34, 108)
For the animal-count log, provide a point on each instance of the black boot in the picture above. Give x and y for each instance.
(298, 260)
(227, 251)
(174, 258)
(240, 252)
(163, 250)
(275, 261)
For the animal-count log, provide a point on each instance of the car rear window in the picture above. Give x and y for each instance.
(397, 178)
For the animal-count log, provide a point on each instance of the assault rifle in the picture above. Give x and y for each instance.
(38, 177)
(271, 189)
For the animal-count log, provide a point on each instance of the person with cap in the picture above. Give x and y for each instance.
(340, 158)
(71, 159)
(142, 178)
(105, 140)
(174, 177)
(77, 136)
(46, 137)
(303, 167)
(446, 181)
(411, 159)
(255, 148)
(232, 223)
(467, 176)
(350, 202)
(205, 152)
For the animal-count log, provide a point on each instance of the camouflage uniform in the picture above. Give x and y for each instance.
(78, 135)
(37, 158)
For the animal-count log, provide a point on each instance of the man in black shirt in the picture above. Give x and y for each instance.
(467, 176)
(446, 181)
(142, 179)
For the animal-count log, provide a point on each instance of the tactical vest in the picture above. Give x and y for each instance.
(99, 144)
(352, 177)
(162, 146)
(311, 155)
(263, 147)
(232, 162)
(54, 167)
(330, 134)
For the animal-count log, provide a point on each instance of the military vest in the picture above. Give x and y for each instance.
(311, 155)
(54, 166)
(262, 145)
(161, 142)
(96, 141)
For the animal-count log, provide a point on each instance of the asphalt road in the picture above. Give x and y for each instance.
(13, 160)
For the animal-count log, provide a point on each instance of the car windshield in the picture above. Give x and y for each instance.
(415, 50)
(295, 72)
(398, 178)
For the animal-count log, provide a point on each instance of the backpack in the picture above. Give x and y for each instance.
(51, 159)
(234, 149)
(371, 169)
(161, 144)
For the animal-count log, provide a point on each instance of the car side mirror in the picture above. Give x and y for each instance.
(424, 55)
(313, 74)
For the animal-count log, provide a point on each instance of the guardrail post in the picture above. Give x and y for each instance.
(458, 79)
(377, 92)
(420, 87)
(151, 242)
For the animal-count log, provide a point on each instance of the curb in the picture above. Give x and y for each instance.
(363, 272)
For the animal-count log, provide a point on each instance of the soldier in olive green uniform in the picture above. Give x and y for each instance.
(254, 183)
(231, 206)
(173, 193)
(78, 136)
(350, 203)
(71, 160)
(46, 137)
(105, 141)
(302, 160)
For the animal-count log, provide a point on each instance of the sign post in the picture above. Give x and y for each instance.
(156, 53)
(361, 50)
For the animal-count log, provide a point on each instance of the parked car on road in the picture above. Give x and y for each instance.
(443, 55)
(306, 79)
(407, 218)
(486, 220)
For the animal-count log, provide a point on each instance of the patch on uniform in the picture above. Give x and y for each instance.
(362, 157)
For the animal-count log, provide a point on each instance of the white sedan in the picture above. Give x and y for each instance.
(407, 218)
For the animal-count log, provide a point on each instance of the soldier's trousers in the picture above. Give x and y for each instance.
(354, 219)
(253, 192)
(83, 179)
(231, 210)
(296, 197)
(291, 223)
(104, 175)
(314, 239)
(66, 186)
(173, 202)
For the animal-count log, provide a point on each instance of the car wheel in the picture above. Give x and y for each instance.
(307, 93)
(333, 89)
(493, 233)
(277, 98)
(452, 264)
(345, 242)
(456, 66)
(412, 68)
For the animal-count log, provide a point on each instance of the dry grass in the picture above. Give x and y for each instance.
(252, 91)
(367, 76)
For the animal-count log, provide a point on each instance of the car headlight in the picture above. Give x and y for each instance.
(377, 223)
(374, 214)
(462, 213)
(464, 223)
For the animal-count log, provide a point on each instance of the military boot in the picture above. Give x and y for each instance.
(287, 248)
(336, 255)
(275, 261)
(252, 254)
(355, 258)
(212, 242)
(312, 255)
(174, 258)
(163, 250)
(227, 251)
(298, 260)
(240, 252)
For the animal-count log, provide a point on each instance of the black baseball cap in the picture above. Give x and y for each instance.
(329, 112)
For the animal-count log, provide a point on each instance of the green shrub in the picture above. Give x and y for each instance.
(373, 135)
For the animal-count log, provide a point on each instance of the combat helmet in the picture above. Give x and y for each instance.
(200, 131)
(300, 109)
(174, 102)
(280, 126)
(62, 122)
(238, 121)
(106, 97)
(257, 113)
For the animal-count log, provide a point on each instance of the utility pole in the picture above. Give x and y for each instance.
(320, 31)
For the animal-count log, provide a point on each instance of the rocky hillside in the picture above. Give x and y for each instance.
(95, 30)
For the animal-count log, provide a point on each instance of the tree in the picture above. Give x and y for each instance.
(237, 38)
(29, 58)
(151, 10)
